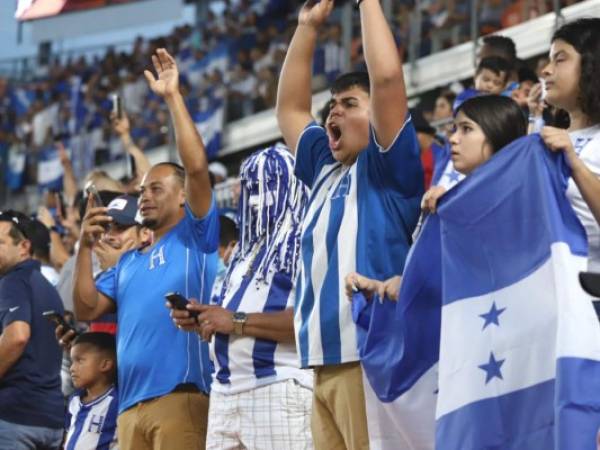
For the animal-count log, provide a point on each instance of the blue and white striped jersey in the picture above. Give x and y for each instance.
(359, 218)
(243, 362)
(92, 425)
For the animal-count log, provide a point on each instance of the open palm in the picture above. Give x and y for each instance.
(167, 81)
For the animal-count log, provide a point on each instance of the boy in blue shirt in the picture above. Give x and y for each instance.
(92, 413)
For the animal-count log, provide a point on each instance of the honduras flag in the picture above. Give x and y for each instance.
(490, 300)
(210, 126)
(50, 171)
(444, 173)
(15, 169)
(216, 59)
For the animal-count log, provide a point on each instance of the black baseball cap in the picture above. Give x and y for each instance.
(21, 221)
(590, 282)
(124, 210)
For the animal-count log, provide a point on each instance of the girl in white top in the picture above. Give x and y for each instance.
(571, 84)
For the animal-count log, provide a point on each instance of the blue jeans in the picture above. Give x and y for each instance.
(23, 437)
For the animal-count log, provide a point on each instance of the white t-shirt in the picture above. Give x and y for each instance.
(587, 145)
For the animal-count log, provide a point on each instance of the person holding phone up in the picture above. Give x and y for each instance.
(163, 372)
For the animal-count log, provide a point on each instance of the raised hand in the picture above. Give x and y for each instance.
(109, 255)
(45, 217)
(535, 103)
(314, 13)
(167, 82)
(62, 154)
(120, 125)
(94, 223)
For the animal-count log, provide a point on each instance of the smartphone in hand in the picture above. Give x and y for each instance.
(117, 106)
(91, 189)
(57, 319)
(179, 302)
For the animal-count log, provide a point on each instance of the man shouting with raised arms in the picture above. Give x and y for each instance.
(366, 178)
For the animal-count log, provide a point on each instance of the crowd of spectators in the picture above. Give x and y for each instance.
(231, 61)
(104, 246)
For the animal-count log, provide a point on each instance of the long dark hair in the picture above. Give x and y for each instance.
(500, 118)
(584, 36)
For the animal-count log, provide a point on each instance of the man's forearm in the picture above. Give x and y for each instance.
(10, 352)
(142, 164)
(295, 82)
(189, 143)
(294, 93)
(277, 326)
(85, 294)
(70, 184)
(381, 52)
(388, 92)
(58, 253)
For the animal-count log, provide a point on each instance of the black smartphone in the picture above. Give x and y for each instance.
(117, 106)
(91, 189)
(57, 319)
(179, 302)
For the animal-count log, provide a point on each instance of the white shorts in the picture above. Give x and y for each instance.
(276, 416)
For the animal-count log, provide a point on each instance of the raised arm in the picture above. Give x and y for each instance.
(69, 180)
(294, 94)
(189, 143)
(89, 304)
(388, 92)
(122, 128)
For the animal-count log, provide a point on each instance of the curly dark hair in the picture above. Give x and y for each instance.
(584, 36)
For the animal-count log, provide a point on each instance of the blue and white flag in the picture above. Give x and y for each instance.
(444, 173)
(519, 360)
(14, 175)
(492, 285)
(50, 171)
(210, 126)
(400, 343)
(216, 59)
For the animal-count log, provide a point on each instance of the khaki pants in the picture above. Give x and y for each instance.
(174, 421)
(339, 420)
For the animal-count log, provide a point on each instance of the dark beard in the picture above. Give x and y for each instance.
(150, 223)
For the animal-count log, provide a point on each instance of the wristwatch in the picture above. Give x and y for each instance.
(239, 320)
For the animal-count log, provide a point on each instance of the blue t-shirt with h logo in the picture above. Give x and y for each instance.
(153, 355)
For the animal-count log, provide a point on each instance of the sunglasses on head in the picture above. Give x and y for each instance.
(17, 221)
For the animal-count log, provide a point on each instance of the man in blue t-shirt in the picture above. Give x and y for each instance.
(163, 373)
(366, 181)
(31, 402)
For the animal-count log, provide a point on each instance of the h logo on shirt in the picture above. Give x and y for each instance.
(96, 423)
(343, 188)
(157, 255)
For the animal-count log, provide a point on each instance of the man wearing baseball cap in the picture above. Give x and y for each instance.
(124, 233)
